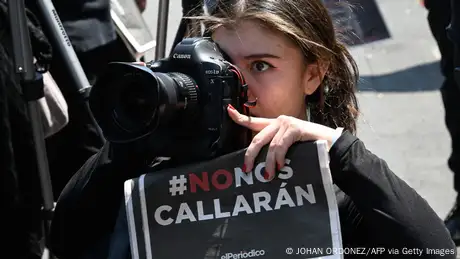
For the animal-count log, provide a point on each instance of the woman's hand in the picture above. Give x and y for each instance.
(281, 133)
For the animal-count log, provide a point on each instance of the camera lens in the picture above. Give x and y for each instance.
(141, 103)
(131, 101)
(136, 106)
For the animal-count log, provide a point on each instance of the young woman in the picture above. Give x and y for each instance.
(302, 81)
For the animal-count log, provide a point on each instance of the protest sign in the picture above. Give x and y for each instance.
(213, 209)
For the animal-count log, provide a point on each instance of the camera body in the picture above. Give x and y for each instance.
(174, 106)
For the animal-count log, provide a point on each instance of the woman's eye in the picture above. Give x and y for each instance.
(260, 66)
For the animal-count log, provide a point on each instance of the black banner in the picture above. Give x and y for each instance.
(215, 210)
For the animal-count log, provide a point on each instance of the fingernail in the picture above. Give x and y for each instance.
(231, 107)
(244, 168)
(266, 175)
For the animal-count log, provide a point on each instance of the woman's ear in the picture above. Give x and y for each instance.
(313, 76)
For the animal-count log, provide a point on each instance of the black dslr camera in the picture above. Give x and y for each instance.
(175, 106)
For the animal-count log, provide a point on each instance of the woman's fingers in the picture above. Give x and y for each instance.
(286, 136)
(290, 136)
(252, 123)
(270, 160)
(281, 133)
(261, 139)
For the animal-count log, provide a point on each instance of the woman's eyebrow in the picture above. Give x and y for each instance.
(261, 55)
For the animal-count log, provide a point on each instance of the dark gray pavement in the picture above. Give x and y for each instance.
(402, 113)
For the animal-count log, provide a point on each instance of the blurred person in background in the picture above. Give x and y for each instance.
(93, 35)
(439, 17)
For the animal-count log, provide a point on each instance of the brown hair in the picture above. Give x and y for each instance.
(308, 24)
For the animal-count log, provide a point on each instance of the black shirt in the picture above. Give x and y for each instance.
(376, 208)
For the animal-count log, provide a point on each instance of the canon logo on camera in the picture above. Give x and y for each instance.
(182, 56)
(244, 254)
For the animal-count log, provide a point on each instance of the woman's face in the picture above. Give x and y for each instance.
(273, 67)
